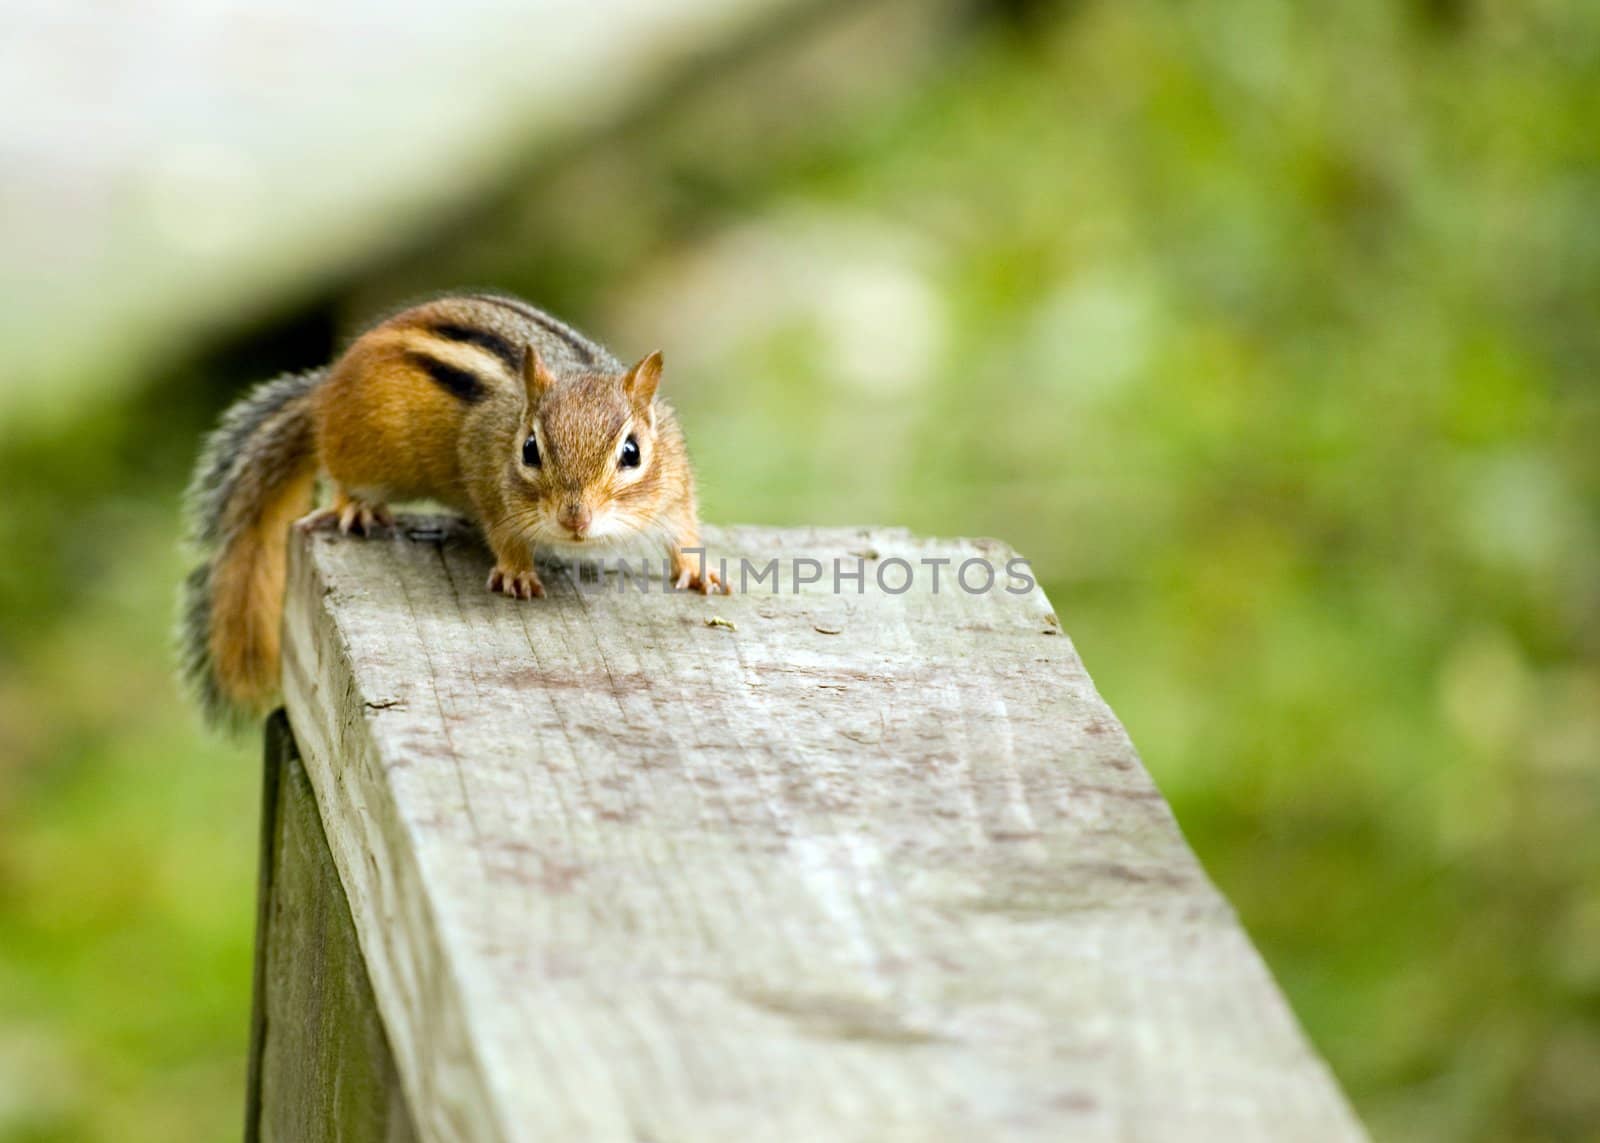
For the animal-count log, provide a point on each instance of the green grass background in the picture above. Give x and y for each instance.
(1268, 331)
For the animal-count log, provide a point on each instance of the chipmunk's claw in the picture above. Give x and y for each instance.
(691, 579)
(516, 584)
(351, 517)
(361, 519)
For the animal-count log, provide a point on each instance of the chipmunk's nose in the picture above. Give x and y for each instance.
(575, 518)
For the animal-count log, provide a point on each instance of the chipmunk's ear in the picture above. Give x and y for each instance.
(641, 381)
(536, 379)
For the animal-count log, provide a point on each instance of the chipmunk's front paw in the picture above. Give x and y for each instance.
(703, 580)
(516, 584)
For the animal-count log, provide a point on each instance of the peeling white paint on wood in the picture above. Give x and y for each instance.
(859, 867)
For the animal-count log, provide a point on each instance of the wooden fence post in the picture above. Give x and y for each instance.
(320, 1065)
(861, 864)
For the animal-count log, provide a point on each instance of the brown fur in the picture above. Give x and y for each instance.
(428, 405)
(247, 600)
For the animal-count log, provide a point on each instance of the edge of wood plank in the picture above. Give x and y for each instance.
(446, 1081)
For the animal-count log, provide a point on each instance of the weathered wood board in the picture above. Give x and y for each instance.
(320, 1065)
(861, 867)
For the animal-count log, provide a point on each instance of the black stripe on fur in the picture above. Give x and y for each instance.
(510, 355)
(460, 383)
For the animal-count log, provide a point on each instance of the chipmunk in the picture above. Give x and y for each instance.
(480, 402)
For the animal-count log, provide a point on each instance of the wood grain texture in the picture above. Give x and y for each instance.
(861, 867)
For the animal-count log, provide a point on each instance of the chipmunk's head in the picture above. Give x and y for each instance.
(586, 453)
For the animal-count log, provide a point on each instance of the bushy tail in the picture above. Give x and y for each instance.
(255, 475)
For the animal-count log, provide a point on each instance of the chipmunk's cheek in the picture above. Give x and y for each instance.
(548, 524)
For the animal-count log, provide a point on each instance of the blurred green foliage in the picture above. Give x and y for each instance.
(1268, 331)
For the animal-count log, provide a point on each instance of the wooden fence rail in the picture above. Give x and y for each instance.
(634, 866)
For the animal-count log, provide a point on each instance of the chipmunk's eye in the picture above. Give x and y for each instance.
(629, 456)
(530, 451)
